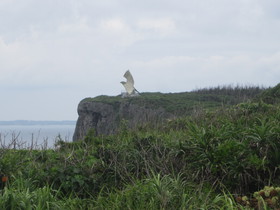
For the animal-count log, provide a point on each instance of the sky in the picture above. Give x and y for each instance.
(54, 53)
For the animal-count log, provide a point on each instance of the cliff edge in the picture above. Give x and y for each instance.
(104, 114)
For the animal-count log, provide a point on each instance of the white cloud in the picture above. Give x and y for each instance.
(160, 25)
(82, 48)
(115, 24)
(187, 72)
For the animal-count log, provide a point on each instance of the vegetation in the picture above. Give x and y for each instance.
(185, 102)
(223, 158)
(271, 95)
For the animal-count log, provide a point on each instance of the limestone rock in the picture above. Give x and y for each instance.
(105, 117)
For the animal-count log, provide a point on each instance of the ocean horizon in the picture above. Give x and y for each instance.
(24, 134)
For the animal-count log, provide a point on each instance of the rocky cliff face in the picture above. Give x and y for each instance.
(105, 117)
(105, 113)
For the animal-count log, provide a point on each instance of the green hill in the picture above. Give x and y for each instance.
(226, 156)
(271, 95)
(184, 102)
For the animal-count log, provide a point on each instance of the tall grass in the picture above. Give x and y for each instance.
(165, 192)
(209, 160)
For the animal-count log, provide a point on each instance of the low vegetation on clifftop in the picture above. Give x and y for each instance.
(186, 102)
(105, 114)
(217, 157)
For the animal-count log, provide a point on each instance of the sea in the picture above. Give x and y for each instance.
(35, 135)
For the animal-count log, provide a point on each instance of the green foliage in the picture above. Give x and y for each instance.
(164, 192)
(184, 103)
(193, 162)
(267, 198)
(271, 95)
(24, 194)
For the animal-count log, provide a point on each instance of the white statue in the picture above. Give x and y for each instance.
(129, 85)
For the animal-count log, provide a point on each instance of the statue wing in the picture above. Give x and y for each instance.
(129, 77)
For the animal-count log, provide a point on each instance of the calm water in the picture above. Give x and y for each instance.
(25, 136)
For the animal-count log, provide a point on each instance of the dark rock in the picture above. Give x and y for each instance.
(105, 118)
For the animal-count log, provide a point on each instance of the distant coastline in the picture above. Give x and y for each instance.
(34, 122)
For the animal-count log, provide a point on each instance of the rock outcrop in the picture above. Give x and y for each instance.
(106, 117)
(104, 114)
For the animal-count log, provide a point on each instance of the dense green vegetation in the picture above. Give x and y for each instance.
(222, 158)
(184, 103)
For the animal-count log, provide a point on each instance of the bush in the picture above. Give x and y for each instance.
(186, 163)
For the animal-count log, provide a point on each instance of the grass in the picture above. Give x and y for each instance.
(209, 160)
(184, 103)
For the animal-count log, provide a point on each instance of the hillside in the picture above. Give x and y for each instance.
(270, 95)
(105, 114)
(184, 102)
(222, 158)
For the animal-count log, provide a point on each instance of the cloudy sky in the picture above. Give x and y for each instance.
(54, 53)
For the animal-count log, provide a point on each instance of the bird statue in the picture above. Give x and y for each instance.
(129, 85)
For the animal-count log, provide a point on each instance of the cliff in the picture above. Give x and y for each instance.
(104, 114)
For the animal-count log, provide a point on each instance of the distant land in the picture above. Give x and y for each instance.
(34, 122)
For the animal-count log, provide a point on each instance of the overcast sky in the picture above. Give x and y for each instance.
(54, 53)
